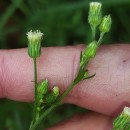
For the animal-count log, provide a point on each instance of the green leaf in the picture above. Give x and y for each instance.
(89, 77)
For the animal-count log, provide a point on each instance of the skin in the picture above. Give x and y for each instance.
(106, 94)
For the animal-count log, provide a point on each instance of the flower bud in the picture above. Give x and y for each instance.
(52, 96)
(55, 91)
(90, 51)
(34, 43)
(43, 87)
(123, 120)
(94, 17)
(105, 24)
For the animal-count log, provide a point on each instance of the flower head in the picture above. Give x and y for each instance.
(34, 43)
(89, 53)
(94, 17)
(53, 95)
(43, 87)
(105, 24)
(123, 120)
(56, 90)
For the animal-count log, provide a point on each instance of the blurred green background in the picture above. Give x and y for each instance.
(64, 22)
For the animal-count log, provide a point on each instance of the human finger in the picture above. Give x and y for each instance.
(106, 93)
(88, 121)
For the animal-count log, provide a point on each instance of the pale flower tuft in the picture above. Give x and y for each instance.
(34, 36)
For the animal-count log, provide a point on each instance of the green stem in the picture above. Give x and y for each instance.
(35, 90)
(66, 92)
(100, 39)
(76, 80)
(44, 115)
(52, 107)
(93, 32)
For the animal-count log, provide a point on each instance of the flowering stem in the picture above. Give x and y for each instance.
(52, 107)
(89, 53)
(67, 91)
(44, 115)
(33, 127)
(35, 90)
(76, 81)
(100, 39)
(93, 32)
(59, 101)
